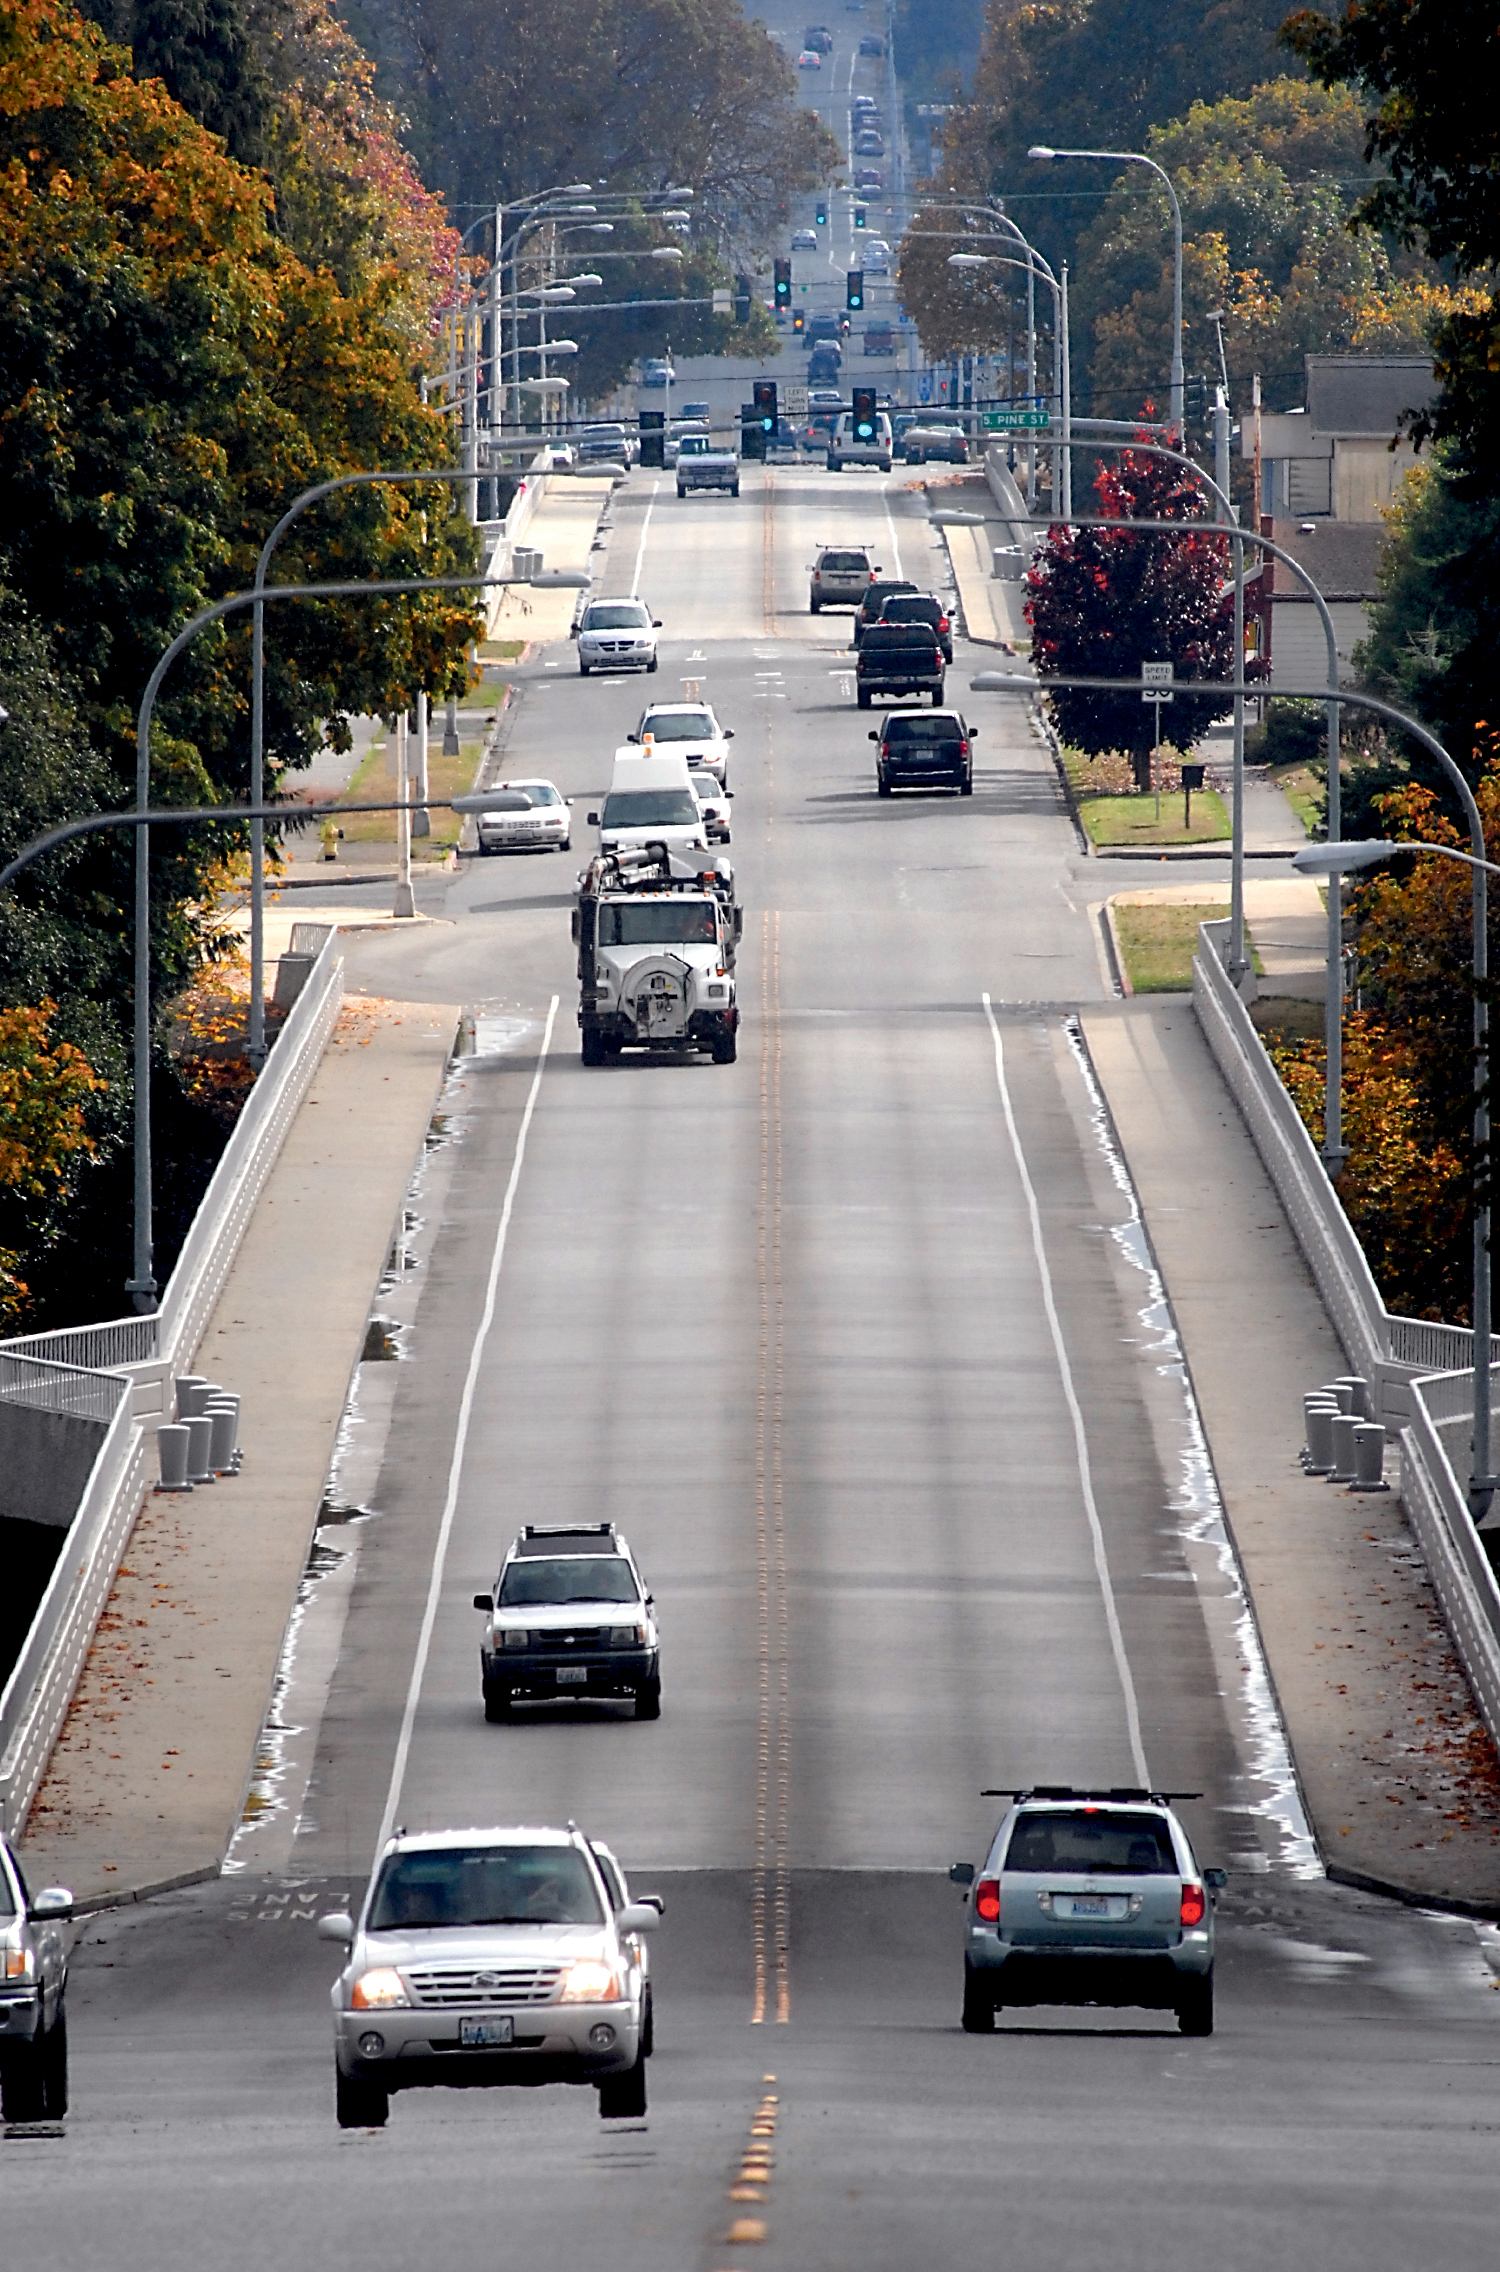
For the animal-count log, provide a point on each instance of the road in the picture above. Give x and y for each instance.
(854, 1341)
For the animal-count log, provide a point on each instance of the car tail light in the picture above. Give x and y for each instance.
(987, 1900)
(1193, 1905)
(963, 749)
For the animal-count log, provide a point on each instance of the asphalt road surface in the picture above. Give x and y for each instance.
(853, 1339)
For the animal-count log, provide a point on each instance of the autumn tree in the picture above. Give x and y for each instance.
(45, 1085)
(961, 311)
(1102, 601)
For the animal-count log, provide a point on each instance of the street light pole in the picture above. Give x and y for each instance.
(1139, 158)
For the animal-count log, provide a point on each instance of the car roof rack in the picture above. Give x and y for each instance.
(547, 1538)
(1119, 1792)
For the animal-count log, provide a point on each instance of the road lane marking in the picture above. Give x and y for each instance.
(640, 552)
(885, 499)
(460, 1442)
(1075, 1413)
(770, 1908)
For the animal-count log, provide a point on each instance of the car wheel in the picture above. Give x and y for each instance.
(726, 1048)
(622, 2098)
(680, 490)
(583, 670)
(885, 465)
(1195, 2005)
(648, 1695)
(54, 2069)
(566, 844)
(882, 786)
(734, 492)
(937, 698)
(593, 1046)
(979, 2006)
(22, 2090)
(863, 698)
(652, 664)
(814, 607)
(496, 1703)
(835, 465)
(648, 2025)
(359, 2106)
(966, 786)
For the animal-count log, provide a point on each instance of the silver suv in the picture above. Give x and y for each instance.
(33, 1987)
(491, 1957)
(841, 576)
(569, 1615)
(1089, 1897)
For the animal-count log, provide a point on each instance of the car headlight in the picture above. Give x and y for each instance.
(590, 1981)
(512, 1639)
(379, 1990)
(627, 1636)
(20, 1964)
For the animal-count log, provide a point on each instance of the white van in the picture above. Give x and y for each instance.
(651, 801)
(845, 447)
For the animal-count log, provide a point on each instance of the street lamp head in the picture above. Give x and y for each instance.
(1333, 859)
(589, 279)
(597, 229)
(666, 252)
(968, 260)
(1040, 150)
(684, 218)
(556, 347)
(578, 189)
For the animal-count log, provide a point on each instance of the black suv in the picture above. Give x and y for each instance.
(569, 1615)
(921, 607)
(899, 658)
(919, 749)
(872, 606)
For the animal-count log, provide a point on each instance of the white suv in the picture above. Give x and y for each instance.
(617, 635)
(844, 448)
(489, 1957)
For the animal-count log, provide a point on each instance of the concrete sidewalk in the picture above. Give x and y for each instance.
(147, 1780)
(562, 529)
(1398, 1774)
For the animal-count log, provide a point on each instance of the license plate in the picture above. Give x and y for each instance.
(571, 1676)
(1090, 1905)
(478, 2035)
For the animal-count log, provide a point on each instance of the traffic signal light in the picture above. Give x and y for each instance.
(783, 284)
(752, 434)
(854, 289)
(859, 216)
(742, 299)
(864, 414)
(765, 405)
(822, 213)
(799, 321)
(1195, 399)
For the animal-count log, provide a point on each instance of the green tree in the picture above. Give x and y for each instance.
(1103, 601)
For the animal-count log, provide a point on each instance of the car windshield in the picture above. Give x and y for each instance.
(624, 615)
(657, 922)
(582, 1577)
(678, 726)
(696, 445)
(650, 808)
(916, 729)
(1092, 1840)
(434, 1887)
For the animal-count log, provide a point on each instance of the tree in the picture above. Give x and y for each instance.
(960, 311)
(45, 1085)
(1103, 601)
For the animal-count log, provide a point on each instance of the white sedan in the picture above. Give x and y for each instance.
(526, 816)
(809, 60)
(714, 803)
(690, 730)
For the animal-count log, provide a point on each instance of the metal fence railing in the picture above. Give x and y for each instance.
(121, 1372)
(1422, 1371)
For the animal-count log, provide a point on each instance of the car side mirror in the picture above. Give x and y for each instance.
(729, 733)
(1216, 1880)
(656, 623)
(632, 737)
(638, 1917)
(973, 733)
(338, 1926)
(874, 736)
(572, 631)
(593, 820)
(961, 1873)
(54, 1901)
(486, 1602)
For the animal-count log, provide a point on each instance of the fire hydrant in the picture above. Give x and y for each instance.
(331, 834)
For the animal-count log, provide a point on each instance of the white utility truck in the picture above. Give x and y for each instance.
(656, 931)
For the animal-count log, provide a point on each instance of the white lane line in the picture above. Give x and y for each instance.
(460, 1443)
(1080, 1437)
(885, 500)
(635, 581)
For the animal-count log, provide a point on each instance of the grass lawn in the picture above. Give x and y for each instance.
(446, 777)
(1159, 942)
(1134, 819)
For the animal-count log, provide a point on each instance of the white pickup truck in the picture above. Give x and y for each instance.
(700, 465)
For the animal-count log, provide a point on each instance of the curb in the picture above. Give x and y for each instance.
(1449, 1904)
(95, 1905)
(1116, 952)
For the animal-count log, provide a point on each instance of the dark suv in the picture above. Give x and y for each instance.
(917, 749)
(899, 658)
(921, 607)
(872, 606)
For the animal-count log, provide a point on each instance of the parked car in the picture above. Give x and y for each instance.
(899, 659)
(921, 607)
(656, 371)
(804, 240)
(33, 1994)
(917, 749)
(525, 816)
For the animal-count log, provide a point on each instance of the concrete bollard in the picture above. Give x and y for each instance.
(1342, 1394)
(1359, 1390)
(200, 1444)
(1320, 1420)
(172, 1454)
(183, 1389)
(230, 1399)
(1342, 1428)
(1314, 1401)
(1369, 1457)
(223, 1421)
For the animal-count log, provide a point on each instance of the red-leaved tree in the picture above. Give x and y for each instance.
(1104, 601)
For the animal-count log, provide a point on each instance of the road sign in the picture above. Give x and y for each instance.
(1015, 421)
(794, 401)
(723, 302)
(1158, 686)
